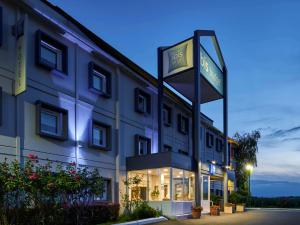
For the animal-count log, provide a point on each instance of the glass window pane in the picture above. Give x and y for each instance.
(205, 187)
(99, 136)
(51, 54)
(189, 185)
(99, 81)
(142, 104)
(143, 147)
(178, 184)
(138, 191)
(49, 122)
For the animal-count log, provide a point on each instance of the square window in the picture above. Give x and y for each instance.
(167, 148)
(52, 121)
(99, 80)
(143, 145)
(100, 137)
(142, 101)
(167, 115)
(50, 53)
(183, 124)
(106, 195)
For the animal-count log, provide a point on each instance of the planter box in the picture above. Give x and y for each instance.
(215, 210)
(240, 208)
(229, 208)
(196, 213)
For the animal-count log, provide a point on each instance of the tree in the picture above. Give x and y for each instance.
(246, 154)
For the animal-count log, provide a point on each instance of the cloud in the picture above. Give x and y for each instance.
(284, 132)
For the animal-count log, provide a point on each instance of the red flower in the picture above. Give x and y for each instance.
(32, 156)
(72, 164)
(34, 176)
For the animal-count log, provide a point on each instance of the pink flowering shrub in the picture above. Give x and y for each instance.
(46, 191)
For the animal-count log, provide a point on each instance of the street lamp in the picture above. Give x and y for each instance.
(249, 168)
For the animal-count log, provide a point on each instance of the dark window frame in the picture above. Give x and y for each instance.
(147, 96)
(169, 147)
(40, 105)
(92, 66)
(169, 112)
(183, 119)
(1, 26)
(109, 190)
(184, 152)
(209, 139)
(108, 135)
(42, 36)
(219, 145)
(137, 139)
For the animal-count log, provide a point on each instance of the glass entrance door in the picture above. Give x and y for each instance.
(205, 194)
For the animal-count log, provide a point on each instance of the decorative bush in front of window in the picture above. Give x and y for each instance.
(52, 121)
(99, 80)
(50, 53)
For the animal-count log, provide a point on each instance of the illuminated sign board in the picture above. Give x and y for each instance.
(179, 58)
(21, 66)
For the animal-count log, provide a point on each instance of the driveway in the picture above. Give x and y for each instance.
(251, 217)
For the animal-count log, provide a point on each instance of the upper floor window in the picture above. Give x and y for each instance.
(167, 148)
(99, 80)
(219, 144)
(52, 121)
(50, 53)
(142, 101)
(183, 124)
(167, 115)
(100, 136)
(209, 139)
(143, 145)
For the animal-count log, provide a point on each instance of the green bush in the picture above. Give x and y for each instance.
(143, 211)
(237, 198)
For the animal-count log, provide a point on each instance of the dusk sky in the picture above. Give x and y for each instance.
(260, 41)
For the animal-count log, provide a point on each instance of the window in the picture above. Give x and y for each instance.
(167, 148)
(209, 140)
(50, 53)
(1, 26)
(183, 124)
(219, 145)
(100, 136)
(167, 115)
(143, 145)
(52, 121)
(184, 152)
(142, 102)
(106, 195)
(99, 80)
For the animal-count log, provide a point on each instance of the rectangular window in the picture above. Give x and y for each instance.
(99, 80)
(209, 140)
(100, 136)
(167, 115)
(183, 124)
(50, 53)
(167, 148)
(143, 145)
(52, 121)
(106, 195)
(142, 101)
(219, 145)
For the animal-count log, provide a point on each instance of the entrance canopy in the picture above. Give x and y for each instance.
(178, 71)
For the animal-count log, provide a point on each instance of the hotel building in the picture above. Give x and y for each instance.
(68, 96)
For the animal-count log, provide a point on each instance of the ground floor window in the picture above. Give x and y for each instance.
(157, 185)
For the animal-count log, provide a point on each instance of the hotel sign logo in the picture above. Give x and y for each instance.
(179, 58)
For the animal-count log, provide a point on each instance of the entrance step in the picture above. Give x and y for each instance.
(183, 216)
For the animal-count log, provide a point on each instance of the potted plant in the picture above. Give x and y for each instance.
(229, 208)
(196, 212)
(239, 200)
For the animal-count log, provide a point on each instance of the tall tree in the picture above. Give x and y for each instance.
(246, 154)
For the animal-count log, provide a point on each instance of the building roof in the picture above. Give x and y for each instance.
(119, 56)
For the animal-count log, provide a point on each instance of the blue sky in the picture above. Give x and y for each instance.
(260, 41)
